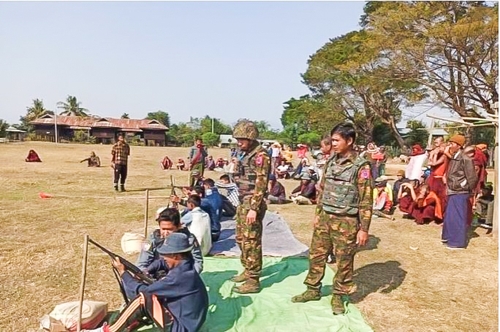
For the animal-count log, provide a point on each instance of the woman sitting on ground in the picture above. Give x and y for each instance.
(166, 163)
(420, 203)
(93, 160)
(33, 157)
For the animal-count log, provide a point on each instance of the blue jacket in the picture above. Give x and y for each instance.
(181, 291)
(212, 204)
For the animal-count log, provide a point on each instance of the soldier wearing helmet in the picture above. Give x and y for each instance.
(251, 176)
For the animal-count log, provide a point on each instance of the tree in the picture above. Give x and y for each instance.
(345, 73)
(72, 107)
(311, 138)
(210, 139)
(160, 116)
(418, 133)
(3, 127)
(33, 112)
(125, 116)
(207, 123)
(449, 48)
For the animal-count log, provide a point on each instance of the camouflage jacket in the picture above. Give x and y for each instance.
(364, 183)
(251, 176)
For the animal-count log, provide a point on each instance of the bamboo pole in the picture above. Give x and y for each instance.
(82, 284)
(146, 208)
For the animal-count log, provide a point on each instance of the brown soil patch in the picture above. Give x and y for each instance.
(407, 280)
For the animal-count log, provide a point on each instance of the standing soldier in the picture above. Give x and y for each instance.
(251, 176)
(342, 218)
(119, 158)
(197, 157)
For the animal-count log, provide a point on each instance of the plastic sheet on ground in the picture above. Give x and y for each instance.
(271, 310)
(277, 239)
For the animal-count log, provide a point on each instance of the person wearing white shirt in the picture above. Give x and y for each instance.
(198, 223)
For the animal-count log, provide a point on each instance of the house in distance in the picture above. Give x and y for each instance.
(104, 129)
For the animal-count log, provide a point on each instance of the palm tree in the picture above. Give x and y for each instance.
(32, 113)
(125, 116)
(72, 107)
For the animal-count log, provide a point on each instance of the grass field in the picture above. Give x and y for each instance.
(407, 280)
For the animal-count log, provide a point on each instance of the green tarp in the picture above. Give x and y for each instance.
(271, 310)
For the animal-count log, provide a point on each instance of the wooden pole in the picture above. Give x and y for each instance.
(82, 284)
(146, 208)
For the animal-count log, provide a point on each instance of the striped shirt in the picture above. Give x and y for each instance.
(232, 192)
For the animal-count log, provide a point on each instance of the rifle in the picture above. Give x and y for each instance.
(134, 270)
(173, 193)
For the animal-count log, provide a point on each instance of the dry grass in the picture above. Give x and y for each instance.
(407, 280)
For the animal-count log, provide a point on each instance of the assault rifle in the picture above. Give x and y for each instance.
(134, 270)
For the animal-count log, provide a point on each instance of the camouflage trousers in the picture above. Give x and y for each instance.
(249, 239)
(339, 233)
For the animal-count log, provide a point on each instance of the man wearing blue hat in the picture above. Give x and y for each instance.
(178, 302)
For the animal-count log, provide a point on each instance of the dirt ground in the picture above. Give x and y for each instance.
(407, 280)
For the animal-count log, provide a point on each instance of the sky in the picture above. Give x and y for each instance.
(228, 60)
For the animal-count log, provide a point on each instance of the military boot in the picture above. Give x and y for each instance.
(310, 294)
(250, 286)
(337, 304)
(240, 277)
(122, 187)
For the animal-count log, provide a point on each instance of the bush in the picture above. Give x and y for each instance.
(210, 139)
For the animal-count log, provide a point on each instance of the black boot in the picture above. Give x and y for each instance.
(116, 187)
(122, 187)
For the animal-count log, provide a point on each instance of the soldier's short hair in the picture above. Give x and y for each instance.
(170, 214)
(344, 130)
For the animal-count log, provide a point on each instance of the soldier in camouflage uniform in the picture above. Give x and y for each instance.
(251, 176)
(342, 218)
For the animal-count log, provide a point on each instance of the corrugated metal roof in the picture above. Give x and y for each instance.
(125, 124)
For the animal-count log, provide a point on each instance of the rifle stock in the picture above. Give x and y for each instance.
(128, 266)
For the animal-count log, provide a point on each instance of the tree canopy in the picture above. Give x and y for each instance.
(72, 107)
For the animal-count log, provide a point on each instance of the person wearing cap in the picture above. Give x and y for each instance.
(461, 180)
(276, 191)
(197, 157)
(400, 178)
(382, 197)
(251, 176)
(177, 303)
(169, 221)
(305, 193)
(342, 219)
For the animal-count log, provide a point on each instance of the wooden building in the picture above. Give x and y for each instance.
(105, 130)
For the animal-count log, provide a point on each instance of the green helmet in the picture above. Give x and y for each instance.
(245, 129)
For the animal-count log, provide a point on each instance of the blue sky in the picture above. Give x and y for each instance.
(223, 59)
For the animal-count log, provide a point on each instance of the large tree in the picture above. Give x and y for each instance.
(3, 126)
(450, 48)
(72, 107)
(346, 73)
(160, 116)
(33, 112)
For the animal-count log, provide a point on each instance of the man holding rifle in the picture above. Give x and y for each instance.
(178, 302)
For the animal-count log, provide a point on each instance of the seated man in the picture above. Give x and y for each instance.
(230, 201)
(424, 206)
(305, 193)
(484, 207)
(93, 160)
(276, 192)
(210, 163)
(400, 175)
(177, 302)
(198, 223)
(169, 221)
(180, 164)
(166, 163)
(382, 197)
(33, 157)
(313, 174)
(282, 171)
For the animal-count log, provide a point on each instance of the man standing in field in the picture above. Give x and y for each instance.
(342, 218)
(251, 176)
(197, 159)
(119, 161)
